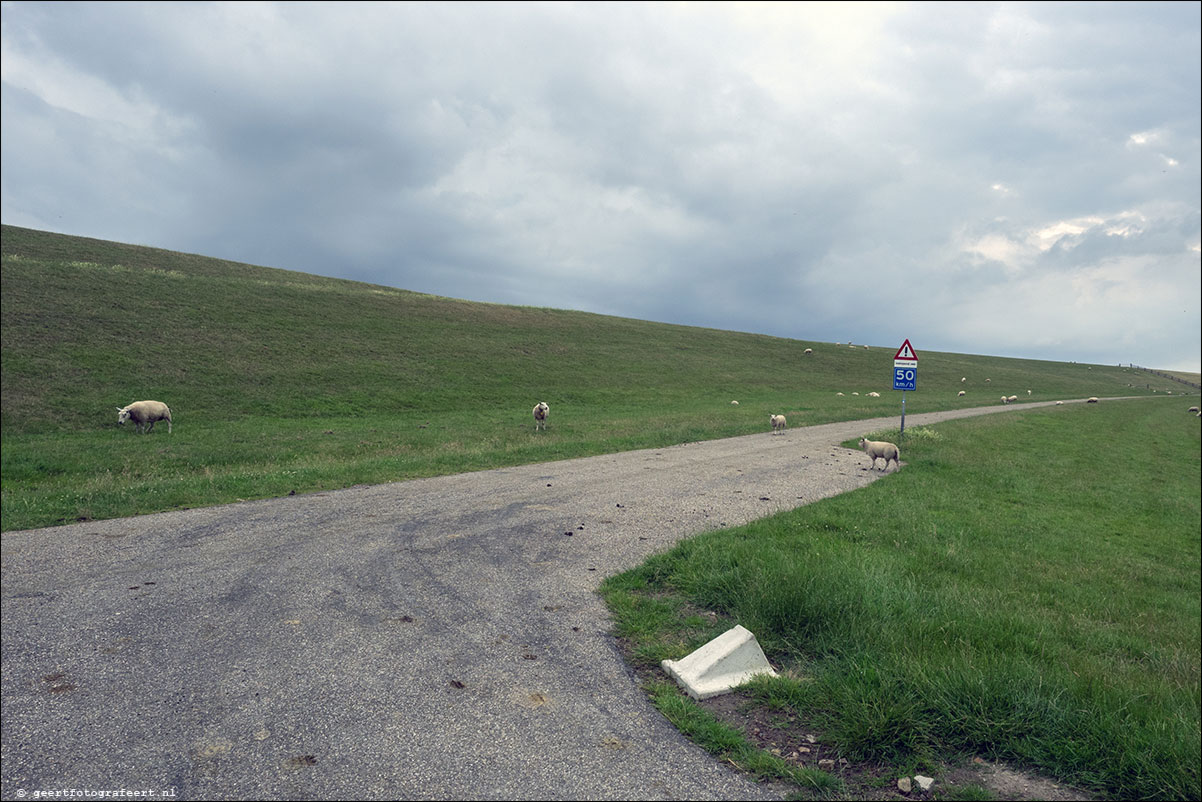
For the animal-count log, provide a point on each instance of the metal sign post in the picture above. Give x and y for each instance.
(905, 377)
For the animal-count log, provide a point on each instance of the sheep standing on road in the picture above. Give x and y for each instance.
(778, 423)
(145, 414)
(880, 449)
(1093, 399)
(540, 415)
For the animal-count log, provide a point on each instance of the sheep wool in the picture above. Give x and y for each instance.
(541, 410)
(778, 423)
(144, 414)
(880, 449)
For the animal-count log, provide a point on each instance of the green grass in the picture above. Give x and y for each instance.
(1027, 588)
(281, 381)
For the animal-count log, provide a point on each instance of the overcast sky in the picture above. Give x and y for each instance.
(1012, 179)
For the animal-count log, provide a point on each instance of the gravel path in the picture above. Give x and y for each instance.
(431, 639)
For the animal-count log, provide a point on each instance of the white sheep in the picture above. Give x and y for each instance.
(874, 394)
(778, 423)
(1193, 409)
(809, 350)
(879, 449)
(541, 410)
(963, 379)
(838, 393)
(960, 394)
(734, 403)
(1093, 399)
(1005, 399)
(1012, 399)
(1059, 403)
(144, 415)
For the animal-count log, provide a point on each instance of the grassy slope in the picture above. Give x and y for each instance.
(1025, 589)
(282, 381)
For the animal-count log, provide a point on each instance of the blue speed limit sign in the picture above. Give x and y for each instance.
(905, 378)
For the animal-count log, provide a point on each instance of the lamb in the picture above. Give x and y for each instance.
(540, 415)
(778, 423)
(144, 415)
(879, 449)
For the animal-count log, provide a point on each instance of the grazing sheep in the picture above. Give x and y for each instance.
(879, 449)
(1012, 399)
(987, 381)
(1193, 409)
(1059, 403)
(734, 403)
(541, 411)
(778, 423)
(960, 394)
(1092, 400)
(838, 393)
(963, 379)
(1028, 392)
(874, 394)
(809, 350)
(1005, 399)
(855, 392)
(144, 415)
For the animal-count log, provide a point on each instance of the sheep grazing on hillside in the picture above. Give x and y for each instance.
(1005, 399)
(987, 381)
(963, 379)
(879, 449)
(1012, 399)
(145, 414)
(960, 394)
(1194, 410)
(778, 423)
(1028, 392)
(734, 403)
(838, 393)
(809, 350)
(875, 394)
(541, 410)
(1093, 399)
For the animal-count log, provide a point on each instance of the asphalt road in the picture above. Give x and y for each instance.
(431, 639)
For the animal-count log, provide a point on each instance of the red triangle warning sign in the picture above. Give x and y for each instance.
(906, 352)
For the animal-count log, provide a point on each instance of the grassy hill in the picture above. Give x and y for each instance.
(282, 381)
(1024, 590)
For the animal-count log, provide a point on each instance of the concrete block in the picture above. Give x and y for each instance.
(729, 660)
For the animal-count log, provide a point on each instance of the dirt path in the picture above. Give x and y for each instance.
(433, 639)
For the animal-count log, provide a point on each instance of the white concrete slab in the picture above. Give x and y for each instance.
(729, 660)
